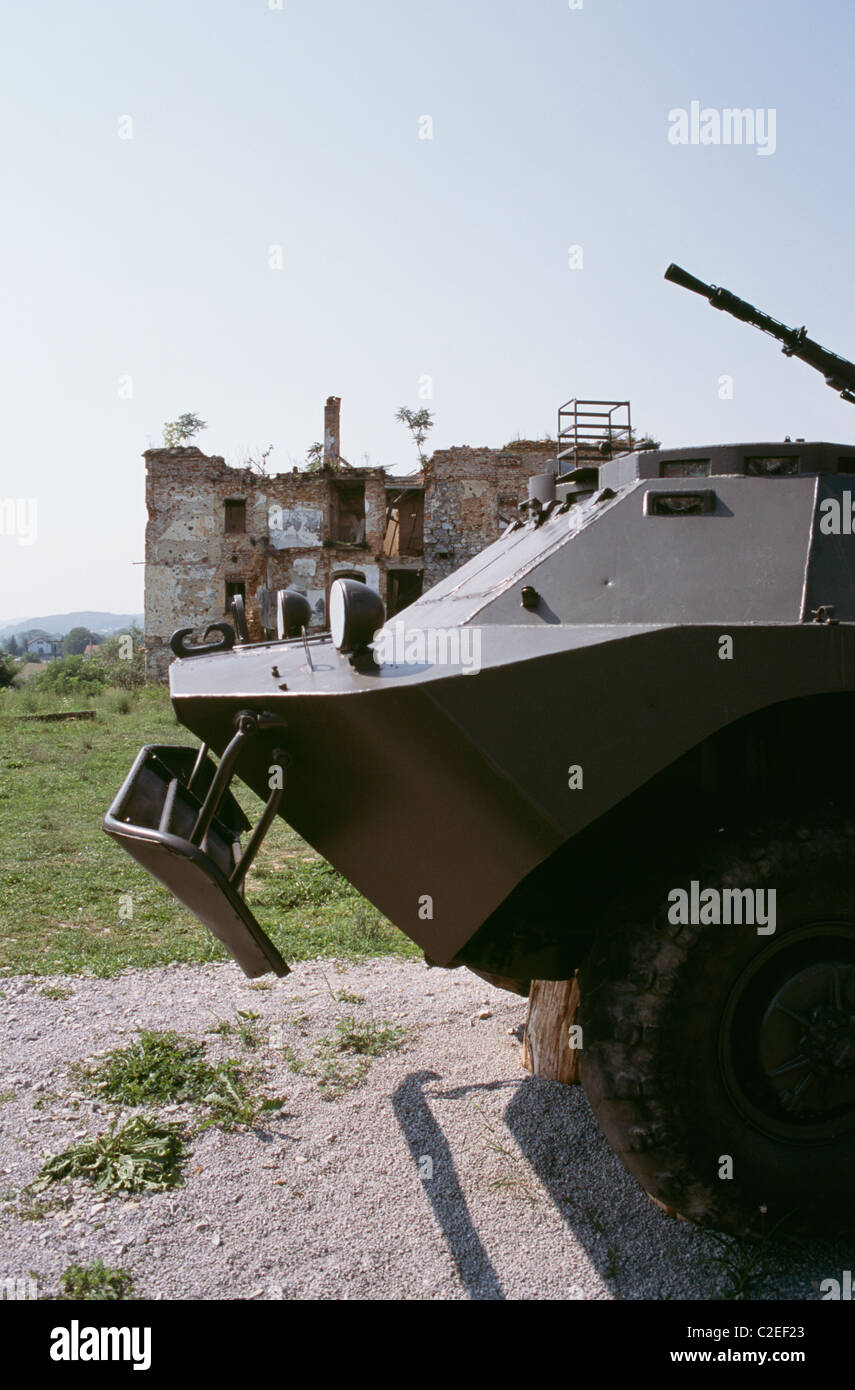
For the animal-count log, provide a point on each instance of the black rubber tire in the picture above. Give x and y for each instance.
(656, 1028)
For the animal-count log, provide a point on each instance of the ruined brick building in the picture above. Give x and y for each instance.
(214, 531)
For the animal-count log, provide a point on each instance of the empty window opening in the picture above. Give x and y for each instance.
(405, 523)
(234, 586)
(403, 587)
(235, 516)
(347, 512)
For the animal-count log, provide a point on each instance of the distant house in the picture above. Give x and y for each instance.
(44, 648)
(91, 648)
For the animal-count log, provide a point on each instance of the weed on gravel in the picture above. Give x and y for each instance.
(96, 1281)
(343, 1059)
(748, 1264)
(145, 1155)
(511, 1174)
(164, 1068)
(249, 1029)
(30, 1208)
(155, 1069)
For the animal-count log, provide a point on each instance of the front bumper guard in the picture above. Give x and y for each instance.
(177, 818)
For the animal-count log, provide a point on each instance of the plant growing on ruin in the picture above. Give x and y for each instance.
(419, 423)
(314, 457)
(177, 431)
(257, 463)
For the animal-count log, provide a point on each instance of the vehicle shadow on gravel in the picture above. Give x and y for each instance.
(639, 1251)
(636, 1250)
(442, 1186)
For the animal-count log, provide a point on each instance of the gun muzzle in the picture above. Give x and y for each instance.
(678, 276)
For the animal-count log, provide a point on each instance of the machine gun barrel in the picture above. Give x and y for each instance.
(839, 373)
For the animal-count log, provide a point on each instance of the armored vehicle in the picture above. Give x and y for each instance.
(618, 741)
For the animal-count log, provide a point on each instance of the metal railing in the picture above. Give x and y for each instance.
(589, 432)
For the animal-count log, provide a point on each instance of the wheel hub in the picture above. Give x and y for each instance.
(829, 1039)
(790, 1051)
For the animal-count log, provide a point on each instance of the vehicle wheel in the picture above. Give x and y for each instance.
(721, 1063)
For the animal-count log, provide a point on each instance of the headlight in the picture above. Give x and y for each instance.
(356, 612)
(293, 613)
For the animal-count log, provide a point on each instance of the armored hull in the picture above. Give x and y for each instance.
(559, 671)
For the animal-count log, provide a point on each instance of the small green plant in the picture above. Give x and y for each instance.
(30, 1208)
(229, 1101)
(595, 1221)
(6, 1096)
(358, 1041)
(745, 1262)
(367, 1038)
(177, 431)
(344, 997)
(419, 423)
(56, 992)
(249, 1030)
(292, 1061)
(96, 1281)
(511, 1176)
(145, 1155)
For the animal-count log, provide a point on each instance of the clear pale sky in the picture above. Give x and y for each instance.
(254, 127)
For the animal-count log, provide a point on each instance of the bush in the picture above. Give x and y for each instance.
(122, 659)
(73, 675)
(9, 671)
(119, 663)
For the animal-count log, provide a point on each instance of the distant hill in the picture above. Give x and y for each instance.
(58, 624)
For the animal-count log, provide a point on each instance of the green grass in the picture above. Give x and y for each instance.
(65, 887)
(145, 1155)
(96, 1281)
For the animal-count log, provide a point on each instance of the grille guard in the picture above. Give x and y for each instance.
(175, 815)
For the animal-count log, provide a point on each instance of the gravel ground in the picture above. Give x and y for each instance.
(333, 1198)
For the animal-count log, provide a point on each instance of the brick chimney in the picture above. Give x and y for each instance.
(332, 430)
